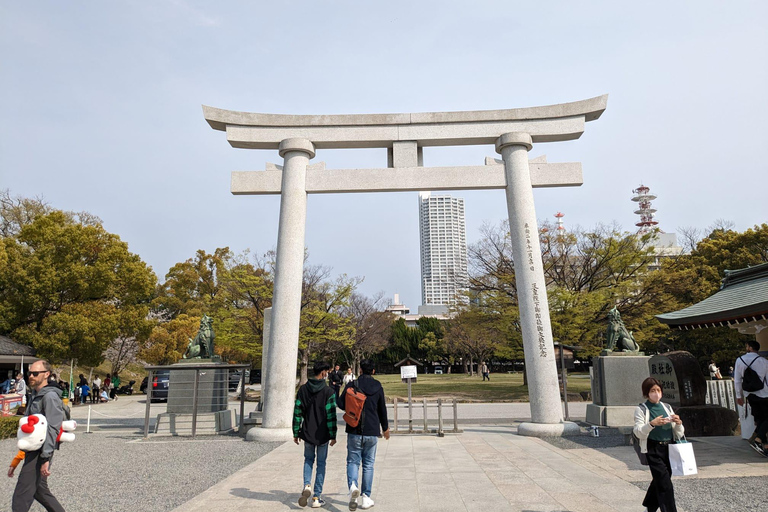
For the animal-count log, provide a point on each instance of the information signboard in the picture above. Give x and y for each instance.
(408, 372)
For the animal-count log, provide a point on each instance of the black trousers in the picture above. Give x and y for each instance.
(660, 494)
(759, 408)
(33, 486)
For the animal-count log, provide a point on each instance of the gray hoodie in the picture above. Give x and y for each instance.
(48, 402)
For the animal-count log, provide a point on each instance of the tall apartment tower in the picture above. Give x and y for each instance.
(443, 249)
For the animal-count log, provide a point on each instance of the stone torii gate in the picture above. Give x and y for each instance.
(513, 132)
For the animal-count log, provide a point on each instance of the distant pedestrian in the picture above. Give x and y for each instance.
(95, 389)
(349, 376)
(85, 391)
(757, 398)
(335, 378)
(314, 422)
(362, 439)
(714, 371)
(114, 386)
(33, 477)
(21, 388)
(485, 371)
(656, 426)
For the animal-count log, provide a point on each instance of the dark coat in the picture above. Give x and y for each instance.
(374, 418)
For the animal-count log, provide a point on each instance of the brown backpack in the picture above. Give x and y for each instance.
(354, 401)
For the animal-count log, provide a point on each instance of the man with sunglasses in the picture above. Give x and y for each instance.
(32, 485)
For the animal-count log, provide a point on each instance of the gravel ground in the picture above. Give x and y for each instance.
(691, 494)
(106, 472)
(718, 494)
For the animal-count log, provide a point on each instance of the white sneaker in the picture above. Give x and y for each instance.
(366, 502)
(354, 492)
(305, 494)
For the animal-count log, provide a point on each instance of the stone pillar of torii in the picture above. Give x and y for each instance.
(512, 131)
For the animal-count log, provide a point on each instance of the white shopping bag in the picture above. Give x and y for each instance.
(681, 459)
(746, 419)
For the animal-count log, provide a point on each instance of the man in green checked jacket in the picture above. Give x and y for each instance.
(314, 421)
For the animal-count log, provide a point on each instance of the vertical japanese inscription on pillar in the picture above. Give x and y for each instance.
(529, 247)
(535, 293)
(539, 325)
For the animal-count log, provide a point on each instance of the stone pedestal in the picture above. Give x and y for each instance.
(213, 417)
(211, 391)
(208, 423)
(616, 391)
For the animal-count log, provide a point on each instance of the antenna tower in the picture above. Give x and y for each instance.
(560, 228)
(646, 212)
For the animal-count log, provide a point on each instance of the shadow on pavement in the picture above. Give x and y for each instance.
(289, 499)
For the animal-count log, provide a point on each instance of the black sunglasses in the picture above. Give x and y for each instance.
(35, 374)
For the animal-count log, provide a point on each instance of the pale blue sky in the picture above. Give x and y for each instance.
(101, 112)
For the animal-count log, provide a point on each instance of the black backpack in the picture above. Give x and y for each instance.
(751, 381)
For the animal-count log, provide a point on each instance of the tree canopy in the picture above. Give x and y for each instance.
(68, 287)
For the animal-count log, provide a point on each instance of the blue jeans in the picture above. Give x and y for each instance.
(309, 461)
(361, 449)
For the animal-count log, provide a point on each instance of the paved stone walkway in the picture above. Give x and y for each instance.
(483, 469)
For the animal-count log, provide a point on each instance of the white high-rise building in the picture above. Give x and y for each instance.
(443, 249)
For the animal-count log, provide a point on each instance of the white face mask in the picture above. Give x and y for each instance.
(654, 396)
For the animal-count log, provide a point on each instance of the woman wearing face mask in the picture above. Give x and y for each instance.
(656, 426)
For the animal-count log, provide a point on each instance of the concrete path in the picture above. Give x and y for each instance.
(485, 468)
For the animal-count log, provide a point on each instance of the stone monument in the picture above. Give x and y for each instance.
(616, 377)
(684, 387)
(213, 415)
(512, 132)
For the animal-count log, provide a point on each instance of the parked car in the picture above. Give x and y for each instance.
(160, 381)
(438, 370)
(234, 379)
(255, 377)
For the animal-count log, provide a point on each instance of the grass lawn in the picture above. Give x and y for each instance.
(502, 387)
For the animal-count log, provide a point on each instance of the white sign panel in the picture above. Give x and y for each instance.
(408, 372)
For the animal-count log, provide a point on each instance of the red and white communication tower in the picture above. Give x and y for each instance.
(646, 212)
(560, 228)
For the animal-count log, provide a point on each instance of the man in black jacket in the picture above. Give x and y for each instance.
(314, 421)
(362, 440)
(336, 377)
(33, 478)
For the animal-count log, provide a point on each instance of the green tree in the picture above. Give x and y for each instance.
(324, 328)
(168, 340)
(695, 276)
(475, 334)
(587, 273)
(372, 327)
(233, 289)
(69, 287)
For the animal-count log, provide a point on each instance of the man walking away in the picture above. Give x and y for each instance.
(336, 377)
(362, 440)
(486, 373)
(33, 478)
(757, 398)
(314, 421)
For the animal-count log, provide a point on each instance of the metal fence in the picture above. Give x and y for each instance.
(423, 407)
(195, 388)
